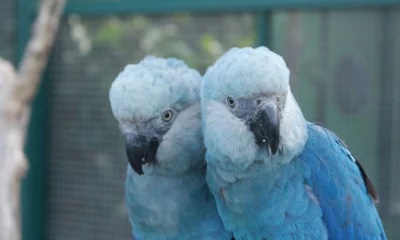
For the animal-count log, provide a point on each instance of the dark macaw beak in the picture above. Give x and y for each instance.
(265, 127)
(140, 151)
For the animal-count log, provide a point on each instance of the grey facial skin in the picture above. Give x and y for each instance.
(142, 145)
(262, 115)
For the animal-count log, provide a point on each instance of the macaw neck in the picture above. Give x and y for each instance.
(269, 205)
(166, 207)
(293, 129)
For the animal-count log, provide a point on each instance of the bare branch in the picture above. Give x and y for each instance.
(38, 49)
(12, 159)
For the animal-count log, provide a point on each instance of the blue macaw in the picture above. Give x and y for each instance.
(273, 174)
(157, 105)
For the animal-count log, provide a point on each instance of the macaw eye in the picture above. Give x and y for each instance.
(167, 116)
(230, 102)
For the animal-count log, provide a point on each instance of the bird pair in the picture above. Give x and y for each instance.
(230, 155)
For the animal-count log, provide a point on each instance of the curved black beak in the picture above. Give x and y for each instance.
(140, 151)
(265, 127)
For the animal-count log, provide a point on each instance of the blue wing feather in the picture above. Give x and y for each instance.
(341, 186)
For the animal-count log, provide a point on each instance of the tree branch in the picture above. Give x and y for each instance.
(38, 49)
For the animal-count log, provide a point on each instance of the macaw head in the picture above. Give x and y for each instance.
(248, 109)
(157, 105)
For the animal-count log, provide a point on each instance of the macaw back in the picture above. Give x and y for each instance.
(320, 194)
(338, 181)
(179, 207)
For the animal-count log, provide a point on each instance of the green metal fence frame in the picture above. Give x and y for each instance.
(33, 189)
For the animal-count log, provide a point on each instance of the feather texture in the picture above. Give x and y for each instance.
(341, 187)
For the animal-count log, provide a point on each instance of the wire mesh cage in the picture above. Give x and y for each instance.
(8, 30)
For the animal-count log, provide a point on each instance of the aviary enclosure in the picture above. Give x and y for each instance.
(343, 57)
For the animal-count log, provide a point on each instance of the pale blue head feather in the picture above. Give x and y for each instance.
(243, 72)
(248, 73)
(146, 89)
(143, 91)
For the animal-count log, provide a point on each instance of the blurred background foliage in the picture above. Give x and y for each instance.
(178, 35)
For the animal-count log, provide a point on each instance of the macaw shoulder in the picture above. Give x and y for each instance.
(327, 156)
(340, 185)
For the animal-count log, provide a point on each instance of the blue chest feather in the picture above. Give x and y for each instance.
(320, 194)
(172, 208)
(276, 205)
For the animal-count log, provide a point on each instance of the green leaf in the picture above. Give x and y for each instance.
(111, 33)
